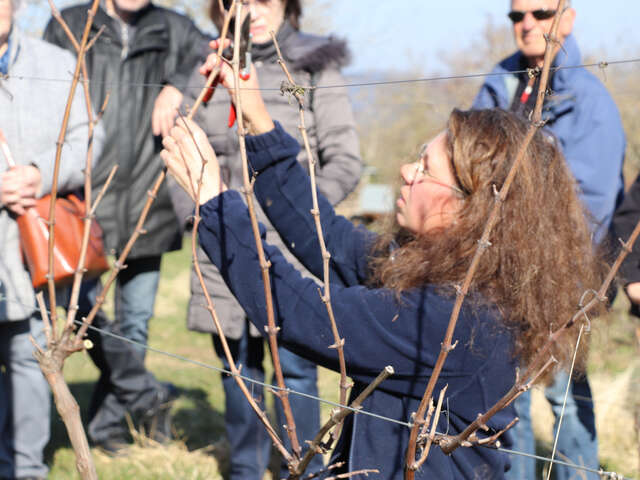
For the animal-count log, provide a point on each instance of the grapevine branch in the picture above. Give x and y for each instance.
(213, 75)
(271, 329)
(52, 359)
(449, 444)
(338, 344)
(210, 307)
(337, 417)
(120, 262)
(90, 211)
(56, 169)
(536, 123)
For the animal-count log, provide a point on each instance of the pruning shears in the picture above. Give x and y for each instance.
(245, 63)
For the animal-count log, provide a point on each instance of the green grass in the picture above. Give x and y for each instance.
(201, 452)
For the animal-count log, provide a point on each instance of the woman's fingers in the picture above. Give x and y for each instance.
(186, 149)
(209, 64)
(212, 59)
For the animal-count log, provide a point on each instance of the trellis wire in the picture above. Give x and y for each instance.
(601, 65)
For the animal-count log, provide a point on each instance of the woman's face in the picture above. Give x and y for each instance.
(430, 196)
(266, 15)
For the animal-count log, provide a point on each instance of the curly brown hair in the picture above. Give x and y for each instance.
(292, 12)
(541, 257)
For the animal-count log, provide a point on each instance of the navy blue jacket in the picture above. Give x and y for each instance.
(583, 117)
(379, 328)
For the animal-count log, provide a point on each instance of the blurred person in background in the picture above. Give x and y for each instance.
(312, 60)
(31, 111)
(583, 117)
(140, 58)
(624, 221)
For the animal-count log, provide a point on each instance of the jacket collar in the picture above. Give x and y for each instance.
(151, 30)
(561, 81)
(303, 51)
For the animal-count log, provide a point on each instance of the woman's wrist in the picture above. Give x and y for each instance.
(260, 121)
(208, 192)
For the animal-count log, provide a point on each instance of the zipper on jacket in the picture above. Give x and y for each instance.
(124, 37)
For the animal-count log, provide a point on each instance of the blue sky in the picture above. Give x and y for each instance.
(394, 31)
(405, 34)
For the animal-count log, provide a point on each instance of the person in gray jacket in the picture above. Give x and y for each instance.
(313, 60)
(31, 111)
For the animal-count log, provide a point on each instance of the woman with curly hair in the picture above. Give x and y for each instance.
(393, 294)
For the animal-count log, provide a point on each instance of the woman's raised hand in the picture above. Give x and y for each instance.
(254, 111)
(186, 150)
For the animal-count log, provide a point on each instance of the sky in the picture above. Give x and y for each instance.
(382, 36)
(410, 34)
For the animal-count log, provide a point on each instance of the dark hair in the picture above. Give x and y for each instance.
(541, 257)
(292, 12)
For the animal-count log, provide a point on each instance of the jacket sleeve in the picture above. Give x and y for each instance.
(594, 150)
(74, 150)
(624, 221)
(282, 188)
(192, 50)
(486, 98)
(365, 317)
(338, 146)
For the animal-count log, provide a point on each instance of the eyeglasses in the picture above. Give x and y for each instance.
(227, 3)
(517, 16)
(421, 169)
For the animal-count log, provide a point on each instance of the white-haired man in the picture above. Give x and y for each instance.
(582, 116)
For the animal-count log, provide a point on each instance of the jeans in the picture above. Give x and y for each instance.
(250, 444)
(125, 386)
(522, 468)
(577, 442)
(25, 402)
(135, 296)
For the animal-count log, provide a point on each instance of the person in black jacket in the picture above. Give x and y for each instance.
(624, 221)
(142, 55)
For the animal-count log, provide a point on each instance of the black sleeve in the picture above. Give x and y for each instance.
(624, 221)
(53, 33)
(193, 49)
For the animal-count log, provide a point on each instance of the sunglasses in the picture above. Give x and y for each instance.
(516, 16)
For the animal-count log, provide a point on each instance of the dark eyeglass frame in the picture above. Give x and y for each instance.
(516, 16)
(227, 3)
(422, 170)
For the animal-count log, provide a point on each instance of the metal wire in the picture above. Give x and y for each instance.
(601, 65)
(611, 475)
(601, 472)
(247, 379)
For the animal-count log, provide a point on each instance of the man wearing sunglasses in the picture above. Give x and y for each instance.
(582, 116)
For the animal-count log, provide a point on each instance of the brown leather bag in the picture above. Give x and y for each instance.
(68, 229)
